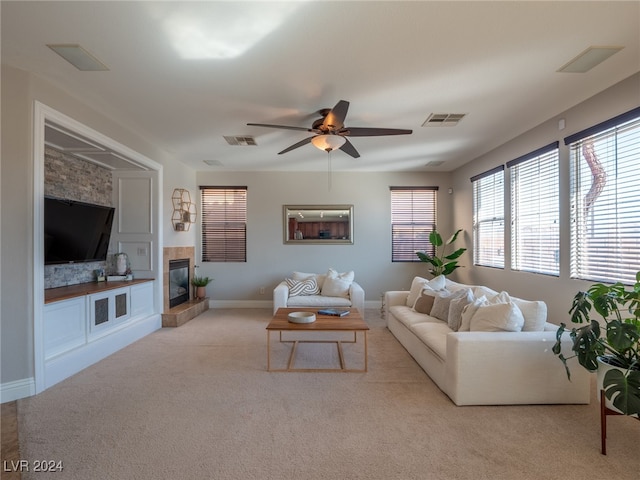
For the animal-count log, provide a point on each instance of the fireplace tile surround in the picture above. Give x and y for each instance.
(174, 317)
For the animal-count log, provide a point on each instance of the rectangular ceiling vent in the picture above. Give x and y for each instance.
(242, 141)
(214, 163)
(443, 119)
(434, 163)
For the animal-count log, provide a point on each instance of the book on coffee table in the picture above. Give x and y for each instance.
(333, 312)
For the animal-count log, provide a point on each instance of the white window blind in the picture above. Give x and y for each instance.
(488, 218)
(535, 210)
(605, 200)
(224, 224)
(413, 218)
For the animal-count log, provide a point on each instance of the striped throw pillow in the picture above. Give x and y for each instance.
(308, 286)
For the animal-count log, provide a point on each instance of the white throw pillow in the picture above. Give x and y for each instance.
(337, 284)
(304, 276)
(308, 286)
(456, 307)
(468, 311)
(534, 313)
(497, 317)
(418, 283)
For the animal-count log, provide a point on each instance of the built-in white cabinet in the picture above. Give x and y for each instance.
(84, 324)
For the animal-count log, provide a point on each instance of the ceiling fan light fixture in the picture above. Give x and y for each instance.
(328, 142)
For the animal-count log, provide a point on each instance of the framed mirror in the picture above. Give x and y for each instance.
(318, 224)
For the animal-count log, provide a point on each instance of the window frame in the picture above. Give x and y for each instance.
(412, 220)
(534, 189)
(224, 223)
(495, 191)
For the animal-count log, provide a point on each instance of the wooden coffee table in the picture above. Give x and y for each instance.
(324, 323)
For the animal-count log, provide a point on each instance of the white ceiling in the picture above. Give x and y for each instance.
(185, 74)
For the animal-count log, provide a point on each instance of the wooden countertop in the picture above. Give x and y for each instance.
(81, 289)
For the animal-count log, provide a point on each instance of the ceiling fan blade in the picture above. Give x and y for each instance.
(335, 118)
(286, 127)
(374, 132)
(349, 149)
(296, 145)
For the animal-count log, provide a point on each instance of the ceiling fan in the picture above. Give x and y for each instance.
(331, 133)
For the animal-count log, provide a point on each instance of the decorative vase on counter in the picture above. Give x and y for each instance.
(121, 263)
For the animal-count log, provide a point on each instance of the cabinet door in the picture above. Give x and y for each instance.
(142, 299)
(65, 326)
(108, 308)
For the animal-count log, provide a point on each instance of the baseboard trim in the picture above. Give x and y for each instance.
(17, 389)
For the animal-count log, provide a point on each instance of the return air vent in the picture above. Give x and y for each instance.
(241, 141)
(434, 163)
(443, 119)
(214, 163)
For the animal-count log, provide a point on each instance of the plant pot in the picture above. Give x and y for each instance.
(603, 367)
(201, 292)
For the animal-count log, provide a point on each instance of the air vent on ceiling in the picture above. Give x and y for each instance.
(443, 119)
(434, 163)
(214, 163)
(243, 141)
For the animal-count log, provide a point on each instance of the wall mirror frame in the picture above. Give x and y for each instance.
(318, 224)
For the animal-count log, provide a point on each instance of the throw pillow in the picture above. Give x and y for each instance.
(497, 317)
(337, 284)
(534, 313)
(304, 276)
(302, 287)
(468, 311)
(440, 309)
(424, 303)
(419, 283)
(457, 305)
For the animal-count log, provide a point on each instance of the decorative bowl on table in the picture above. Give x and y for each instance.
(302, 317)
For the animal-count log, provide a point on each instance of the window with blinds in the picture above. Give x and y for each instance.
(535, 210)
(488, 218)
(224, 224)
(413, 218)
(605, 200)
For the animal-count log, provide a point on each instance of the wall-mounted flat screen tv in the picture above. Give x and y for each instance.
(75, 231)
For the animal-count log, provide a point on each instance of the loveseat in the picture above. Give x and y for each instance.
(482, 347)
(331, 289)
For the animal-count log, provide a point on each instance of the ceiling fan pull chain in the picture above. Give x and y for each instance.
(329, 166)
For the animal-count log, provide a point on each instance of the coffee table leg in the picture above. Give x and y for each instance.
(268, 351)
(366, 356)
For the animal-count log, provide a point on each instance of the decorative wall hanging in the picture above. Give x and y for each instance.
(184, 210)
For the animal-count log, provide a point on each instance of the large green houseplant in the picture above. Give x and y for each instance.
(617, 344)
(440, 263)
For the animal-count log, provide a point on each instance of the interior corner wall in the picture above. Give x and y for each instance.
(557, 292)
(270, 260)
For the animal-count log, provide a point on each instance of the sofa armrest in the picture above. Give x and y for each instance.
(356, 295)
(392, 298)
(280, 296)
(487, 368)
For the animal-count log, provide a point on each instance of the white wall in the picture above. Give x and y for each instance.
(269, 260)
(557, 292)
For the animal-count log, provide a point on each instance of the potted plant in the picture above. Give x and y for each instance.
(612, 351)
(201, 283)
(441, 264)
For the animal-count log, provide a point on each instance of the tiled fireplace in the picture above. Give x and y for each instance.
(177, 314)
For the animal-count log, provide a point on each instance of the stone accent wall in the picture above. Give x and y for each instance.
(72, 178)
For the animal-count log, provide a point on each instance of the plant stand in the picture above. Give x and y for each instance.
(604, 412)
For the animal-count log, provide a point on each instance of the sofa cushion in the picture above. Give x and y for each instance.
(308, 286)
(433, 335)
(442, 301)
(457, 305)
(497, 317)
(418, 283)
(337, 284)
(534, 313)
(468, 311)
(408, 317)
(318, 301)
(424, 303)
(303, 276)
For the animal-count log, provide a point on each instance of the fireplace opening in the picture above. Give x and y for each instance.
(178, 281)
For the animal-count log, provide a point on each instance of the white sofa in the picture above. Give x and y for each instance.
(487, 367)
(339, 291)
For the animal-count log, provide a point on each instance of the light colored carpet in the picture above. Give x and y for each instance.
(197, 402)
